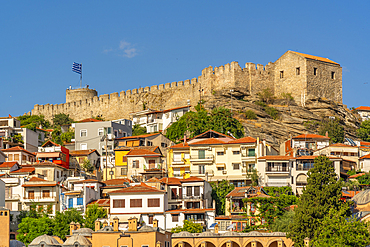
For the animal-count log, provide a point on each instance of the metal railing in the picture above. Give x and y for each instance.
(40, 198)
(277, 169)
(12, 197)
(192, 197)
(277, 184)
(201, 157)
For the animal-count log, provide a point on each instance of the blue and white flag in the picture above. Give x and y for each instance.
(77, 67)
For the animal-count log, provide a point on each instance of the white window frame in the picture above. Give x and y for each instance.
(83, 130)
(101, 130)
(81, 144)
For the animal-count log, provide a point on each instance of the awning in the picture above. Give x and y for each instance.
(221, 165)
(125, 217)
(48, 155)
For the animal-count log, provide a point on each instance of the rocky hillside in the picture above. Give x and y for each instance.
(292, 119)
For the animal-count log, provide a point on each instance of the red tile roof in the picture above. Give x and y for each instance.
(350, 193)
(363, 108)
(311, 136)
(276, 157)
(24, 169)
(50, 142)
(341, 145)
(181, 145)
(190, 210)
(90, 120)
(101, 202)
(117, 181)
(87, 181)
(367, 156)
(208, 132)
(322, 59)
(152, 180)
(142, 188)
(246, 139)
(36, 179)
(142, 152)
(81, 152)
(40, 185)
(192, 179)
(357, 175)
(176, 108)
(17, 149)
(137, 137)
(208, 141)
(171, 181)
(240, 192)
(8, 164)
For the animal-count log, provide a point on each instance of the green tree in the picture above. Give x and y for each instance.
(62, 221)
(66, 137)
(334, 129)
(364, 179)
(30, 228)
(322, 193)
(219, 119)
(93, 212)
(282, 224)
(56, 136)
(31, 122)
(188, 226)
(138, 130)
(219, 192)
(87, 166)
(249, 114)
(61, 119)
(253, 176)
(364, 131)
(266, 95)
(336, 230)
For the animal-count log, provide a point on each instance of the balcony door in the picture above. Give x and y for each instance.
(201, 154)
(151, 164)
(31, 194)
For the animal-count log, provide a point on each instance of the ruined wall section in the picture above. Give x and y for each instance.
(327, 83)
(259, 77)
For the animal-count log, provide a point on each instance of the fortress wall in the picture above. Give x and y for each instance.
(259, 77)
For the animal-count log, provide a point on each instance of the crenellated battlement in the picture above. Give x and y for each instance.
(85, 102)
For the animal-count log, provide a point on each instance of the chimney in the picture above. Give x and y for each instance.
(71, 228)
(216, 228)
(97, 225)
(132, 224)
(155, 223)
(115, 223)
(105, 223)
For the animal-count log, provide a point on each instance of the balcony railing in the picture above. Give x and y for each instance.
(201, 157)
(301, 168)
(277, 184)
(176, 197)
(301, 183)
(12, 197)
(40, 198)
(277, 169)
(192, 197)
(177, 161)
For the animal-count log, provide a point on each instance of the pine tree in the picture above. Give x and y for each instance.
(322, 193)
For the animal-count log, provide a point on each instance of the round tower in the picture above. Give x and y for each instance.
(80, 94)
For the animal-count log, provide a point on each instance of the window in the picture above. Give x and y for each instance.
(31, 194)
(253, 208)
(202, 169)
(153, 203)
(298, 71)
(149, 143)
(24, 158)
(220, 153)
(314, 71)
(135, 164)
(281, 74)
(57, 174)
(151, 219)
(136, 203)
(251, 152)
(201, 154)
(220, 168)
(16, 157)
(116, 133)
(83, 133)
(118, 203)
(175, 218)
(333, 75)
(46, 193)
(236, 152)
(124, 171)
(80, 201)
(196, 191)
(101, 132)
(236, 166)
(189, 191)
(83, 146)
(164, 145)
(10, 157)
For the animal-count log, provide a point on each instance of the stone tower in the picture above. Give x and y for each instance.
(73, 95)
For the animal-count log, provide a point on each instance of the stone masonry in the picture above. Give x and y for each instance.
(300, 74)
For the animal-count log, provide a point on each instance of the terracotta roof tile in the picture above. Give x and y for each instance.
(50, 142)
(208, 132)
(81, 152)
(192, 179)
(171, 181)
(142, 188)
(40, 185)
(24, 169)
(142, 152)
(350, 193)
(276, 157)
(208, 141)
(87, 181)
(36, 179)
(8, 164)
(367, 156)
(363, 108)
(117, 181)
(181, 145)
(240, 192)
(90, 120)
(152, 180)
(17, 149)
(176, 108)
(322, 59)
(310, 136)
(101, 202)
(190, 210)
(357, 175)
(340, 145)
(246, 139)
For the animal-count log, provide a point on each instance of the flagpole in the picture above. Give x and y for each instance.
(81, 77)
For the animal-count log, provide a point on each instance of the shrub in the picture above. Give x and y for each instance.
(266, 96)
(250, 114)
(260, 103)
(287, 97)
(272, 112)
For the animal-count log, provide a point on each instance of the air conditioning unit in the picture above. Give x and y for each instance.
(224, 172)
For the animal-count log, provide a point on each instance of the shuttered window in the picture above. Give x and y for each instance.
(136, 203)
(153, 202)
(196, 191)
(46, 193)
(119, 203)
(189, 191)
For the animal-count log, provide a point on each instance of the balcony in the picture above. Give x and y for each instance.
(192, 197)
(277, 169)
(277, 184)
(178, 161)
(176, 197)
(201, 158)
(40, 199)
(12, 197)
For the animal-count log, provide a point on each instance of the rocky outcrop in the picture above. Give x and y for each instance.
(291, 120)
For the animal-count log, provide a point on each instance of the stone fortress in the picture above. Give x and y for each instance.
(300, 74)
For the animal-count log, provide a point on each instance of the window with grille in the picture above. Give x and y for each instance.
(153, 202)
(80, 201)
(135, 164)
(196, 191)
(236, 166)
(31, 194)
(46, 193)
(83, 133)
(236, 152)
(175, 218)
(136, 203)
(189, 191)
(118, 203)
(124, 171)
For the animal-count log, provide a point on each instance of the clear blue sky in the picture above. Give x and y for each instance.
(128, 44)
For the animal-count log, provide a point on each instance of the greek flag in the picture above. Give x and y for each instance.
(77, 67)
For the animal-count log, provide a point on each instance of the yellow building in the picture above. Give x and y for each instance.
(215, 156)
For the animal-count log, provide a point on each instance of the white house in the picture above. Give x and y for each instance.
(303, 144)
